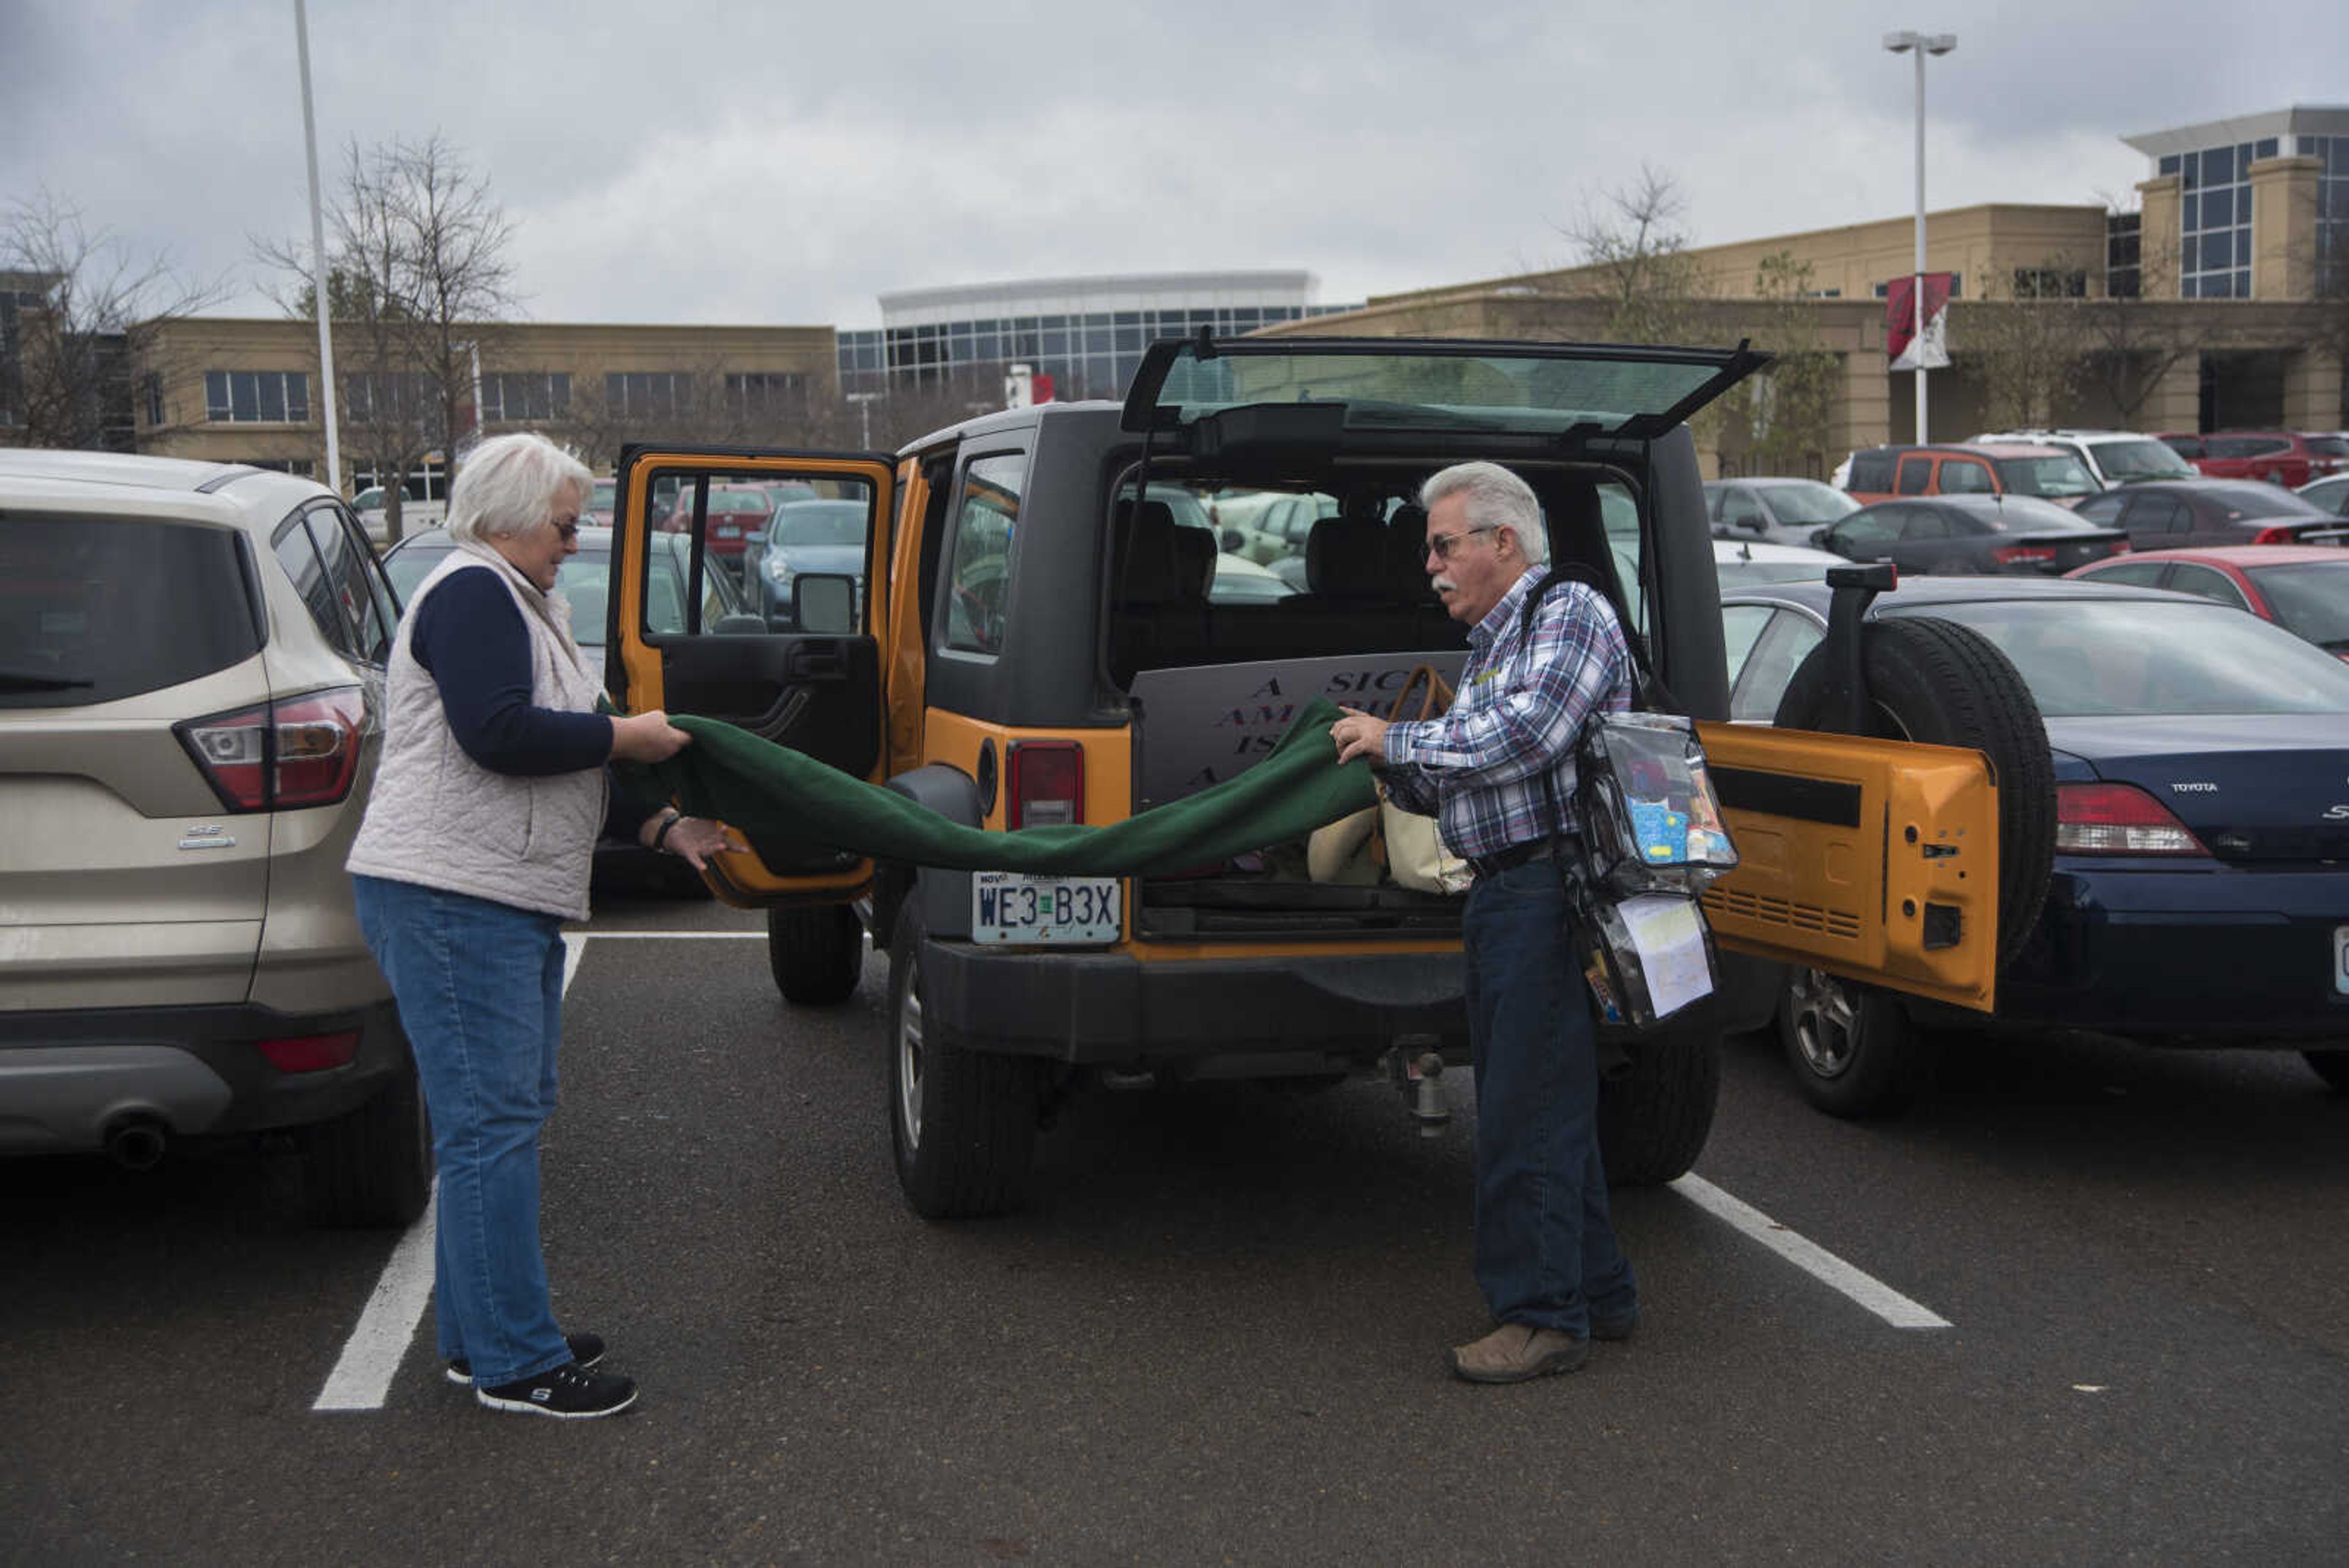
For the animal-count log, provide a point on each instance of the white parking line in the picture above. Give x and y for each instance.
(1810, 1257)
(371, 1356)
(363, 1374)
(666, 936)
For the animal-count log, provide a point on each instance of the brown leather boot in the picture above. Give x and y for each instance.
(1518, 1352)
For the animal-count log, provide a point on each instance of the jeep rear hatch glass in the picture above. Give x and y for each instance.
(1438, 384)
(94, 610)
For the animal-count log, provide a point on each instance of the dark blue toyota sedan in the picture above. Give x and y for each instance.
(2200, 894)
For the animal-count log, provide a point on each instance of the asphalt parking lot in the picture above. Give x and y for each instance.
(1216, 1336)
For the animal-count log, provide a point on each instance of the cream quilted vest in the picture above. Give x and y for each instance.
(439, 819)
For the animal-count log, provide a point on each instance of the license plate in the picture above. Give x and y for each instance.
(1055, 911)
(2341, 960)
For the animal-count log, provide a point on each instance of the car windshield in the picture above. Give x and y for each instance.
(1807, 503)
(2311, 599)
(586, 581)
(2059, 473)
(599, 495)
(2086, 659)
(821, 522)
(2028, 514)
(409, 565)
(2129, 461)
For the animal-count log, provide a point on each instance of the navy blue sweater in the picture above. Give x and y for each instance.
(470, 637)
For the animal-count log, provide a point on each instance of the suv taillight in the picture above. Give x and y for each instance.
(301, 751)
(1048, 784)
(2117, 819)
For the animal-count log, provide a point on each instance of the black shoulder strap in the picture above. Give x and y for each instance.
(1649, 692)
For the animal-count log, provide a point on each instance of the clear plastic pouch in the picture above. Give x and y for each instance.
(1647, 816)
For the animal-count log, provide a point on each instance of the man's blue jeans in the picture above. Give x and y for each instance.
(480, 989)
(1545, 1251)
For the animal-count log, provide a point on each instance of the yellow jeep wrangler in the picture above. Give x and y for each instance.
(1032, 620)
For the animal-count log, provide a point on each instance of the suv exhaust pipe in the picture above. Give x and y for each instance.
(136, 1142)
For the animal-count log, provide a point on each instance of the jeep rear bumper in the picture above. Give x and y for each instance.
(67, 1077)
(1109, 1008)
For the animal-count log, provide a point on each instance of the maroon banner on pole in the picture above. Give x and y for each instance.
(1900, 320)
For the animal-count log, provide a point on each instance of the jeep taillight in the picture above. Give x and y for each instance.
(2117, 819)
(1048, 784)
(301, 751)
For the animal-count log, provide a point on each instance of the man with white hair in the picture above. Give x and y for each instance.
(1547, 1260)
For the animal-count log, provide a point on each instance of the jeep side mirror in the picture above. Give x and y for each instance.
(823, 602)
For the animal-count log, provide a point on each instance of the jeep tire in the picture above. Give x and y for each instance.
(1943, 684)
(371, 1167)
(1654, 1117)
(962, 1123)
(816, 952)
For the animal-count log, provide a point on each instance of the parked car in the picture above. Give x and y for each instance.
(1240, 581)
(415, 513)
(734, 514)
(1885, 472)
(2112, 457)
(597, 512)
(1972, 534)
(1780, 511)
(2163, 514)
(810, 537)
(2303, 588)
(1040, 650)
(2331, 495)
(190, 679)
(2200, 885)
(2279, 457)
(1740, 563)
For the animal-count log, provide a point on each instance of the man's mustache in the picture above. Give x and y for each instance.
(1443, 583)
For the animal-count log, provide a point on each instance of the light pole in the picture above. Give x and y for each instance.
(1920, 45)
(863, 402)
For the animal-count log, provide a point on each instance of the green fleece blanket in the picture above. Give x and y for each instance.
(774, 794)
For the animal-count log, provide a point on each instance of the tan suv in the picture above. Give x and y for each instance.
(191, 678)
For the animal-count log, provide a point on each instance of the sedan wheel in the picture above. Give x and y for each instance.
(1853, 1049)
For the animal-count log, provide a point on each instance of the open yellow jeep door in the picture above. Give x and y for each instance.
(1875, 860)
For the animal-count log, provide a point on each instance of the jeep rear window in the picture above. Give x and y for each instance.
(1448, 387)
(97, 609)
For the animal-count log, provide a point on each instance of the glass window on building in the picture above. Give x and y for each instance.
(2215, 220)
(257, 397)
(526, 395)
(642, 394)
(2124, 237)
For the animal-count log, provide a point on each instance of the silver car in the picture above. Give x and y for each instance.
(191, 684)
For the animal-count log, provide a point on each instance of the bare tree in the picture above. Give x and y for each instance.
(2031, 344)
(1778, 421)
(417, 280)
(1634, 256)
(711, 403)
(82, 326)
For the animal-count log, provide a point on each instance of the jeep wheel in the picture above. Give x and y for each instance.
(963, 1123)
(1654, 1117)
(1853, 1049)
(1943, 684)
(2332, 1067)
(816, 954)
(371, 1167)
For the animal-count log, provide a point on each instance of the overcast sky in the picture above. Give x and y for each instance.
(784, 162)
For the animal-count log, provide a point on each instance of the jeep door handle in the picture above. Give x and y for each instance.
(820, 662)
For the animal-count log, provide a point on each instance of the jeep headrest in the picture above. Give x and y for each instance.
(1346, 558)
(1407, 552)
(1158, 566)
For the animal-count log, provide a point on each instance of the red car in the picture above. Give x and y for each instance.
(735, 512)
(2280, 457)
(2303, 588)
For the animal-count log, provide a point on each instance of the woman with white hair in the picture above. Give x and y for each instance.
(476, 846)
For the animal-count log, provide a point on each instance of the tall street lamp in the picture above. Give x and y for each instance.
(1920, 45)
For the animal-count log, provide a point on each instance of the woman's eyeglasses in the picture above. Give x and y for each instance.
(1440, 545)
(569, 532)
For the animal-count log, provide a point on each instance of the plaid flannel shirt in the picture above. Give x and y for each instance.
(1518, 710)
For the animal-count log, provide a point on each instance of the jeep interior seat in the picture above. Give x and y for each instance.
(1159, 591)
(1407, 575)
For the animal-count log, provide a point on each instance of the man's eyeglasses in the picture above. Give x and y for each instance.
(1440, 545)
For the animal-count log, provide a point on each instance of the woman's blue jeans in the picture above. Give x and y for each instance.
(480, 989)
(1546, 1250)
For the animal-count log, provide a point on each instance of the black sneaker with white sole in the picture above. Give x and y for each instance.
(587, 1349)
(569, 1393)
